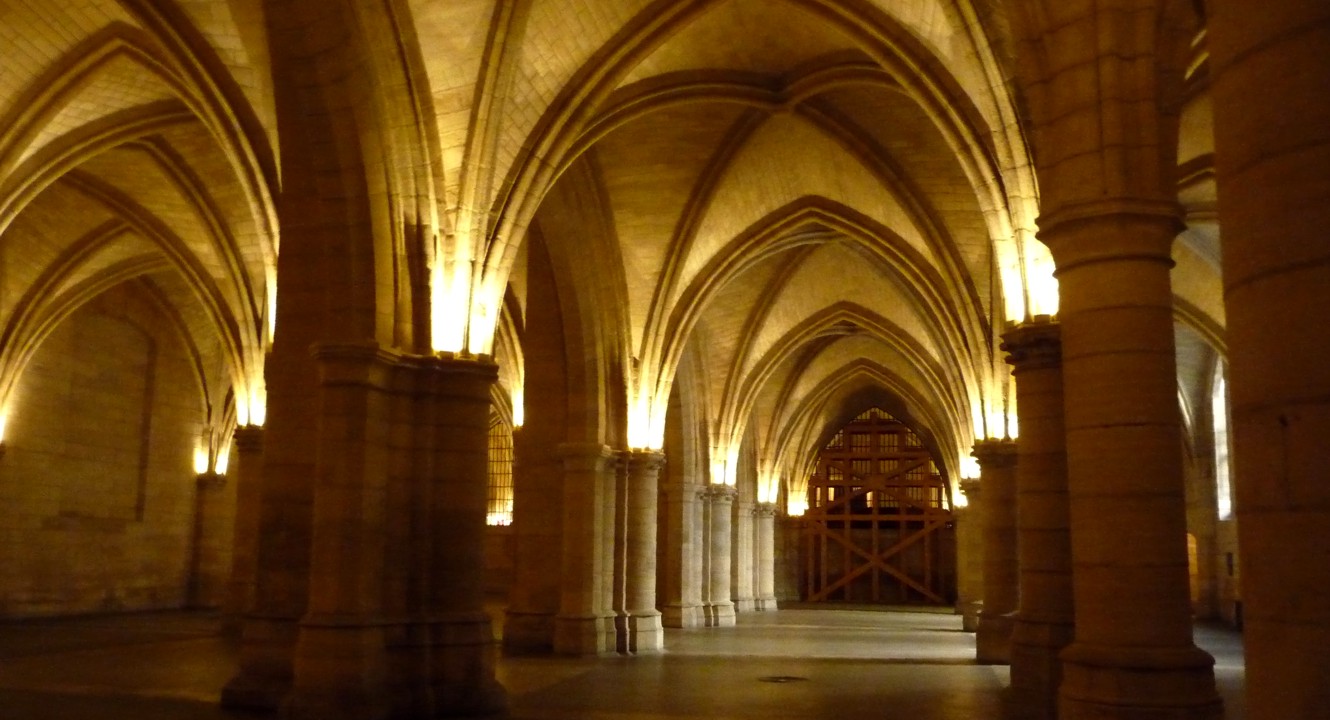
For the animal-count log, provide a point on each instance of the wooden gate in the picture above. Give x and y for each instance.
(878, 527)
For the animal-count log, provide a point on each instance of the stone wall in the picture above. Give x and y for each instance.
(97, 476)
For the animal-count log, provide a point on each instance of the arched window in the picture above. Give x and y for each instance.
(1219, 410)
(500, 511)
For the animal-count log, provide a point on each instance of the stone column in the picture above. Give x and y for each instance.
(742, 556)
(1270, 71)
(616, 547)
(281, 574)
(997, 468)
(764, 520)
(1045, 619)
(246, 470)
(969, 556)
(1133, 655)
(683, 557)
(214, 514)
(462, 651)
(533, 603)
(585, 625)
(340, 661)
(720, 606)
(396, 624)
(789, 539)
(645, 632)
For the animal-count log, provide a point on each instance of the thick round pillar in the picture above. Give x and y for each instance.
(720, 606)
(969, 556)
(584, 625)
(1045, 618)
(764, 521)
(247, 471)
(1133, 655)
(997, 476)
(645, 632)
(1270, 69)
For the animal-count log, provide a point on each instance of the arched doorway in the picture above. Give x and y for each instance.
(878, 528)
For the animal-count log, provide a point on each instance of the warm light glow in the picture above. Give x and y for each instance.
(272, 303)
(768, 487)
(499, 519)
(969, 466)
(1040, 283)
(1013, 284)
(796, 506)
(4, 420)
(645, 431)
(958, 499)
(725, 466)
(450, 298)
(201, 460)
(223, 460)
(519, 407)
(258, 403)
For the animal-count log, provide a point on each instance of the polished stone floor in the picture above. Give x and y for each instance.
(792, 663)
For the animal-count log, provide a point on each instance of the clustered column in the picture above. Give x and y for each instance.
(997, 465)
(537, 529)
(247, 471)
(645, 632)
(764, 518)
(395, 624)
(683, 606)
(213, 524)
(1045, 619)
(585, 623)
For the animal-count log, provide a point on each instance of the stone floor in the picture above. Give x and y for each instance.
(793, 663)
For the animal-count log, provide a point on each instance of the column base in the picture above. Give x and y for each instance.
(992, 639)
(527, 633)
(767, 604)
(616, 633)
(969, 612)
(646, 635)
(266, 671)
(462, 674)
(1036, 669)
(720, 615)
(340, 672)
(745, 605)
(683, 616)
(1099, 683)
(582, 636)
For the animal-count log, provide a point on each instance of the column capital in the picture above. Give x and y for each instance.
(994, 453)
(585, 455)
(641, 460)
(764, 509)
(970, 488)
(209, 481)
(1035, 344)
(1142, 228)
(247, 438)
(719, 493)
